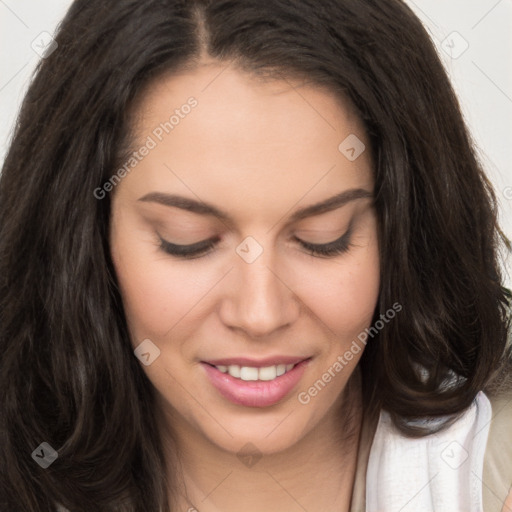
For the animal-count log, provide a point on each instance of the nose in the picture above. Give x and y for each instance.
(259, 297)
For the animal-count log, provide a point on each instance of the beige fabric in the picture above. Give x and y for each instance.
(497, 471)
(358, 502)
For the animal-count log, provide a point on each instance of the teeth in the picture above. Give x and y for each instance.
(268, 373)
(248, 373)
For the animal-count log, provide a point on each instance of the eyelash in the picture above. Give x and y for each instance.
(194, 251)
(335, 248)
(187, 251)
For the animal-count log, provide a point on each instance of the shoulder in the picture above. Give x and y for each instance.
(497, 470)
(465, 466)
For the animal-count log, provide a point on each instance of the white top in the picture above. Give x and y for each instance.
(438, 473)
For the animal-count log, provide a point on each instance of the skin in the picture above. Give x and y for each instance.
(507, 506)
(258, 150)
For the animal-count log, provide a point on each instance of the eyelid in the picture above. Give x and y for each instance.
(189, 251)
(203, 247)
(337, 246)
(327, 244)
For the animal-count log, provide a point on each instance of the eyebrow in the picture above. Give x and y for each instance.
(202, 208)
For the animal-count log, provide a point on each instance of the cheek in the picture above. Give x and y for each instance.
(344, 294)
(156, 294)
(153, 300)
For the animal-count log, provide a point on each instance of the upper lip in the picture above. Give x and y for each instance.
(256, 363)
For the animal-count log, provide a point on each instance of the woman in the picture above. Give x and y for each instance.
(250, 261)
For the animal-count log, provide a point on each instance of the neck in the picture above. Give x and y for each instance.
(315, 474)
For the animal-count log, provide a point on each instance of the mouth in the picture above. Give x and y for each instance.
(252, 369)
(255, 384)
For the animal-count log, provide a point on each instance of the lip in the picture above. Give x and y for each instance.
(256, 363)
(255, 393)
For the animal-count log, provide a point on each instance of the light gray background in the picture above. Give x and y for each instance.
(481, 73)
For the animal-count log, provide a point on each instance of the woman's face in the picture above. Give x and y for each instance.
(240, 163)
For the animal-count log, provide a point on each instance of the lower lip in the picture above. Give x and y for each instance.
(255, 393)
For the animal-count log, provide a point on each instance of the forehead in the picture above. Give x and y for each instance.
(245, 139)
(230, 98)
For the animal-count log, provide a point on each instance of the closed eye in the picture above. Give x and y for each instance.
(331, 249)
(188, 251)
(204, 247)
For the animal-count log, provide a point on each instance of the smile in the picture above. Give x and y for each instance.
(252, 386)
(249, 373)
